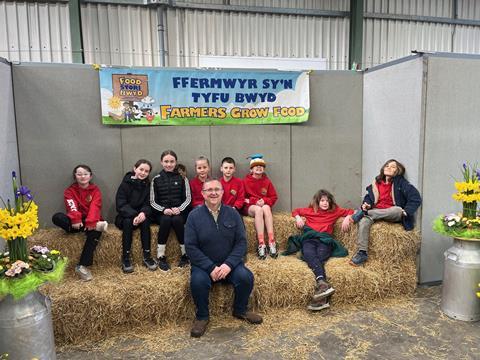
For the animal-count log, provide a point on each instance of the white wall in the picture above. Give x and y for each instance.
(8, 136)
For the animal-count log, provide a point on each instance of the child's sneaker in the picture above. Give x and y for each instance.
(322, 290)
(262, 252)
(83, 273)
(163, 264)
(184, 261)
(101, 226)
(318, 304)
(149, 263)
(359, 214)
(272, 249)
(359, 258)
(127, 266)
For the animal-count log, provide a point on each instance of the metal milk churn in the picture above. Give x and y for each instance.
(26, 328)
(460, 280)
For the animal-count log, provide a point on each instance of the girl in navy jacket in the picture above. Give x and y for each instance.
(390, 198)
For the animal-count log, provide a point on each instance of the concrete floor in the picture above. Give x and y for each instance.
(397, 329)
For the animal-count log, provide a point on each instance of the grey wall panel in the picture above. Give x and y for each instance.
(451, 138)
(8, 136)
(392, 121)
(327, 150)
(188, 142)
(63, 104)
(58, 123)
(273, 141)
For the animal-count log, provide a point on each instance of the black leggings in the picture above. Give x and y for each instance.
(127, 227)
(91, 237)
(166, 223)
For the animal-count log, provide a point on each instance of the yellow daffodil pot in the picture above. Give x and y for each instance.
(461, 277)
(26, 327)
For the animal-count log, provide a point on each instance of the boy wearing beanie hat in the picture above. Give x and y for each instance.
(260, 196)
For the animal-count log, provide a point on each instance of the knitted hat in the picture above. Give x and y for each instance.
(257, 160)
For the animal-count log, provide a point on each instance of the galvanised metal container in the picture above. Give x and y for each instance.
(26, 328)
(460, 280)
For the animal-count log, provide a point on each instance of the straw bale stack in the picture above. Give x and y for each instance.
(387, 241)
(114, 301)
(90, 311)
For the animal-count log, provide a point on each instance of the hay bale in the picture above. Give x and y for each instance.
(283, 224)
(113, 301)
(387, 241)
(109, 249)
(374, 281)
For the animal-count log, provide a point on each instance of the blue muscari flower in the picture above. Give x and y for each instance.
(464, 166)
(14, 174)
(478, 175)
(24, 191)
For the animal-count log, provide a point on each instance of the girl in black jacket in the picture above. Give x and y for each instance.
(170, 198)
(133, 209)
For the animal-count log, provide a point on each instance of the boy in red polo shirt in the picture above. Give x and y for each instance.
(233, 191)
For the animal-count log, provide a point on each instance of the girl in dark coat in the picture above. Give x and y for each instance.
(389, 198)
(133, 207)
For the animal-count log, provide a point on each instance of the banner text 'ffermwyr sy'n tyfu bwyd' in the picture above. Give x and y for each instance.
(202, 97)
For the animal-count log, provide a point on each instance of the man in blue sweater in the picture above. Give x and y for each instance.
(215, 242)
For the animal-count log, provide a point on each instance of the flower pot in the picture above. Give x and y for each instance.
(26, 327)
(460, 280)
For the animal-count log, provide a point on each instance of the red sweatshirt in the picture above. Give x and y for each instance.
(83, 203)
(322, 220)
(256, 189)
(233, 192)
(196, 191)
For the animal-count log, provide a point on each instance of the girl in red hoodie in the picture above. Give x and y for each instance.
(318, 245)
(83, 202)
(260, 196)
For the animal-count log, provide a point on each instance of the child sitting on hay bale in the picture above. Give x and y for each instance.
(133, 207)
(233, 191)
(170, 199)
(260, 196)
(390, 198)
(202, 170)
(83, 202)
(317, 243)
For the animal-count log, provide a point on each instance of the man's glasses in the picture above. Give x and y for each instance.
(212, 190)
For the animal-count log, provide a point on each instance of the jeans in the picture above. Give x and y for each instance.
(92, 237)
(315, 254)
(392, 214)
(200, 284)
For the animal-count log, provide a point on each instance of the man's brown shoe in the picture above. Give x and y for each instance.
(198, 328)
(250, 316)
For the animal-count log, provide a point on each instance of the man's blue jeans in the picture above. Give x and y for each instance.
(200, 284)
